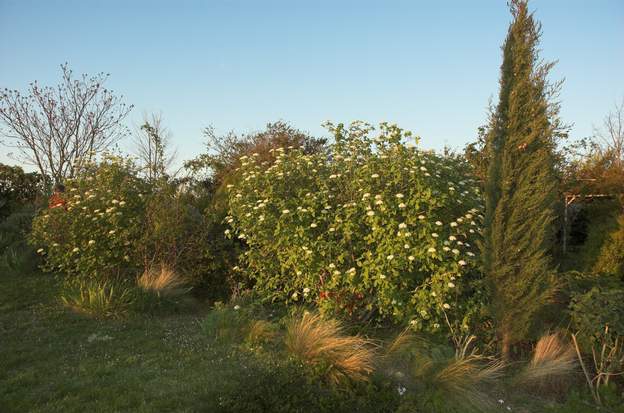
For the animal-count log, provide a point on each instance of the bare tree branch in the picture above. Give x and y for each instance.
(58, 128)
(152, 146)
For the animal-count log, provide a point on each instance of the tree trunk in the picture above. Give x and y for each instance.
(505, 346)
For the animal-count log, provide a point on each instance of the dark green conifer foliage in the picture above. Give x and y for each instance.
(521, 184)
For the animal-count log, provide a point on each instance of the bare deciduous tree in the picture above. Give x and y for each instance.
(152, 143)
(58, 128)
(611, 136)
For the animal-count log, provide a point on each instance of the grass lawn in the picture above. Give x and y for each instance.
(52, 360)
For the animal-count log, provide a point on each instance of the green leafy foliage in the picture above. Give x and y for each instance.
(592, 310)
(16, 256)
(95, 235)
(611, 257)
(375, 228)
(18, 189)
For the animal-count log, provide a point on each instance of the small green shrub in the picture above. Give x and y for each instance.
(261, 332)
(373, 229)
(227, 324)
(98, 299)
(611, 257)
(592, 310)
(16, 256)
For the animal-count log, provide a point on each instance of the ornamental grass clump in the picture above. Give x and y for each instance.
(162, 281)
(99, 299)
(553, 361)
(323, 345)
(440, 378)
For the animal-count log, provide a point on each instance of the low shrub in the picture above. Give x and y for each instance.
(261, 332)
(592, 310)
(227, 324)
(611, 257)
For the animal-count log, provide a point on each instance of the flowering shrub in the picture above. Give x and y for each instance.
(94, 235)
(373, 228)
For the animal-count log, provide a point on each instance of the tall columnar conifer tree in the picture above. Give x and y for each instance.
(521, 184)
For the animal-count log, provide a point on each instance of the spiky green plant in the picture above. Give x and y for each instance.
(99, 299)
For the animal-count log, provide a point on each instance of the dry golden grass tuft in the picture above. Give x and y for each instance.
(403, 342)
(323, 344)
(260, 331)
(554, 359)
(466, 376)
(163, 281)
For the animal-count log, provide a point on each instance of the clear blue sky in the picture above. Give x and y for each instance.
(429, 66)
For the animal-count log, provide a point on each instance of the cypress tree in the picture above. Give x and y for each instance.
(521, 184)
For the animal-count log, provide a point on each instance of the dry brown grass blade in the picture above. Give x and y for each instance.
(319, 342)
(553, 359)
(162, 280)
(403, 341)
(260, 331)
(466, 376)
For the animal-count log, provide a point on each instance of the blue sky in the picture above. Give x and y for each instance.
(429, 66)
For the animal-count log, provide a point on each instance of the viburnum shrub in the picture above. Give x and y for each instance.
(94, 235)
(374, 228)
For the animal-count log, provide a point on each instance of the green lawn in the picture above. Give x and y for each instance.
(52, 360)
